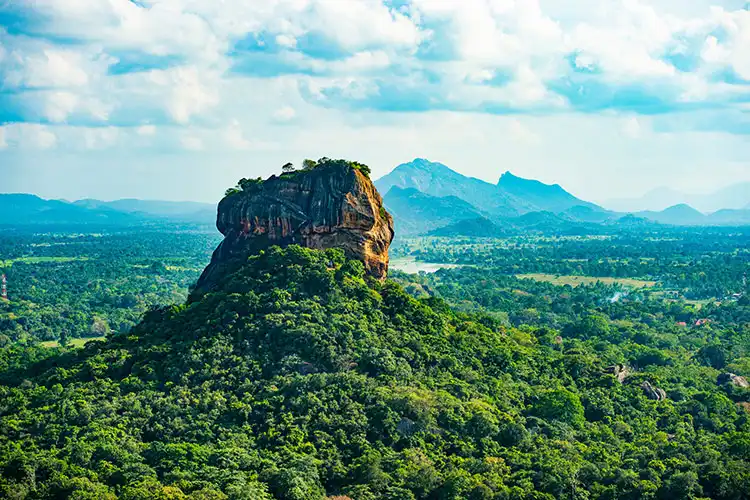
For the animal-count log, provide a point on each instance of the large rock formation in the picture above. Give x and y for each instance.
(334, 205)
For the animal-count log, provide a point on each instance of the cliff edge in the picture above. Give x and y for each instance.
(329, 204)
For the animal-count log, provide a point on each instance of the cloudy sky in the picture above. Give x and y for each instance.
(177, 99)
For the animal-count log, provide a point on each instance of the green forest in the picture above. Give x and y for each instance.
(301, 378)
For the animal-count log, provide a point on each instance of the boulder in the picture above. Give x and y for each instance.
(652, 392)
(731, 378)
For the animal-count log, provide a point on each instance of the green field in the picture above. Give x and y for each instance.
(72, 342)
(587, 280)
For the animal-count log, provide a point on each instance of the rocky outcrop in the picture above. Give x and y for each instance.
(332, 205)
(621, 372)
(653, 392)
(731, 378)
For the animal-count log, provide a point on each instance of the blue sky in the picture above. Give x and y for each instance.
(177, 99)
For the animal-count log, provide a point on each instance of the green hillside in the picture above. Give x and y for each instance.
(299, 378)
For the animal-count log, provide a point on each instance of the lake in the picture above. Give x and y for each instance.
(412, 266)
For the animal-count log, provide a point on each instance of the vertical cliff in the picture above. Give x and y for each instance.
(333, 205)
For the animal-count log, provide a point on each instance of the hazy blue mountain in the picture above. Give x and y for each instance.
(730, 217)
(632, 221)
(415, 212)
(181, 210)
(655, 200)
(736, 196)
(479, 227)
(511, 196)
(25, 209)
(678, 215)
(584, 213)
(545, 197)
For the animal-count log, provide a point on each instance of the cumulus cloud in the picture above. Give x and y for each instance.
(146, 130)
(178, 62)
(27, 136)
(191, 142)
(284, 114)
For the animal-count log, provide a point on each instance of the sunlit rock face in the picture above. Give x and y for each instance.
(331, 206)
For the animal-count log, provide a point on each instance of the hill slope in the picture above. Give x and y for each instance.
(415, 212)
(545, 197)
(300, 378)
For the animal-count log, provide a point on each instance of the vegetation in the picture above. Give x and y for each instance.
(328, 162)
(587, 280)
(301, 378)
(77, 285)
(699, 263)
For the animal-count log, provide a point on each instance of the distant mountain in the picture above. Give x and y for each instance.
(511, 196)
(479, 227)
(729, 217)
(25, 209)
(533, 193)
(181, 210)
(435, 179)
(678, 215)
(28, 209)
(415, 212)
(589, 214)
(736, 196)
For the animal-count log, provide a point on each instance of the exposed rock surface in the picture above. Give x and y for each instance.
(652, 392)
(331, 206)
(621, 372)
(733, 379)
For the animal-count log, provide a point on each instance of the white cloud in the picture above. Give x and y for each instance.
(100, 138)
(191, 142)
(284, 114)
(3, 143)
(146, 130)
(235, 137)
(28, 136)
(190, 91)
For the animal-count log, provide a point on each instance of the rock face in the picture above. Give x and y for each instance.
(621, 372)
(733, 379)
(333, 205)
(652, 392)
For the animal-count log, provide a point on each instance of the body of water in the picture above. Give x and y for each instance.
(412, 266)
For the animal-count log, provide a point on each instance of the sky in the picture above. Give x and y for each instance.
(178, 99)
